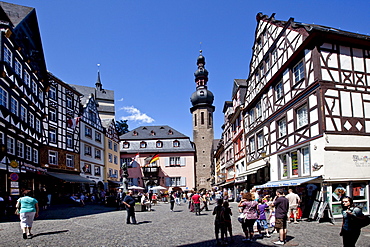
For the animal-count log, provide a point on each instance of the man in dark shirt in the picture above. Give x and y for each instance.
(281, 216)
(119, 199)
(129, 201)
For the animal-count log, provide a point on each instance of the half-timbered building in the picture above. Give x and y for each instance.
(91, 143)
(23, 83)
(307, 111)
(111, 155)
(61, 155)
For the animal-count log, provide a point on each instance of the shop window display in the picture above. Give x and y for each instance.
(339, 190)
(359, 196)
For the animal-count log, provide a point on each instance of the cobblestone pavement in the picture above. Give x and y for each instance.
(95, 225)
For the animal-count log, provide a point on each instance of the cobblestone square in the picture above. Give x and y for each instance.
(96, 225)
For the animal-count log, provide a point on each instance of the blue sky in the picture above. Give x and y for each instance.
(147, 49)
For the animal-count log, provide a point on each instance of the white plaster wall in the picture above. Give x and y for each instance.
(346, 165)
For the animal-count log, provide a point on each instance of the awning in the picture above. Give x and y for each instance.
(72, 178)
(115, 182)
(290, 182)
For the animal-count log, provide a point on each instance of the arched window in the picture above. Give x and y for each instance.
(176, 144)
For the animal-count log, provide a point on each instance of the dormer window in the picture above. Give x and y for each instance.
(170, 132)
(159, 144)
(126, 145)
(134, 133)
(142, 144)
(152, 133)
(176, 144)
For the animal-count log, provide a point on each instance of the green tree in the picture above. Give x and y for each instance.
(122, 127)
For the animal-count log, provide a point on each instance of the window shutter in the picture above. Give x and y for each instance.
(182, 161)
(167, 161)
(183, 181)
(168, 181)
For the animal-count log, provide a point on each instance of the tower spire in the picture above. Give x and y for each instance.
(98, 82)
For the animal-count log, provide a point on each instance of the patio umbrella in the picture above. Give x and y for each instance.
(158, 188)
(134, 187)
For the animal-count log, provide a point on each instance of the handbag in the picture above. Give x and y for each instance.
(241, 217)
(363, 221)
(360, 222)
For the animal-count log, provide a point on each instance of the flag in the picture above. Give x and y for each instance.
(154, 158)
(136, 157)
(72, 122)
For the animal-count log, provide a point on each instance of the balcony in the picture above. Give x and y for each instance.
(150, 170)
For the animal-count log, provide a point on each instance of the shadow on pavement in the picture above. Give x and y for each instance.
(65, 211)
(144, 222)
(68, 211)
(237, 241)
(49, 233)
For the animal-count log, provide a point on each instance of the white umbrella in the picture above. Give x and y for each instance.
(134, 187)
(158, 188)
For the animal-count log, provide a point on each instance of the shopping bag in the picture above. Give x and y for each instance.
(299, 214)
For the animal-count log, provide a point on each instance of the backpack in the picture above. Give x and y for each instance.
(360, 222)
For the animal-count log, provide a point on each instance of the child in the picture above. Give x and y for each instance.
(227, 216)
(272, 217)
(261, 221)
(219, 211)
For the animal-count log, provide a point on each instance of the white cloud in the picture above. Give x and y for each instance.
(136, 115)
(121, 99)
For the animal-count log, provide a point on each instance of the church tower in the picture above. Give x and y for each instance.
(203, 134)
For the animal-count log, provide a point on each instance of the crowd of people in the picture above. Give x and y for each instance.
(256, 212)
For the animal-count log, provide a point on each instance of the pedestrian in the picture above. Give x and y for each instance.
(129, 201)
(177, 197)
(219, 211)
(184, 197)
(172, 201)
(154, 199)
(350, 232)
(272, 216)
(255, 194)
(28, 209)
(225, 196)
(227, 215)
(204, 200)
(145, 202)
(294, 201)
(261, 221)
(196, 202)
(249, 209)
(281, 216)
(119, 198)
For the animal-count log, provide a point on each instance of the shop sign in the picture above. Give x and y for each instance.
(14, 191)
(14, 184)
(361, 161)
(13, 164)
(238, 179)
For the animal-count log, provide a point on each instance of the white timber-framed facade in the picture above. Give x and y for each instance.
(307, 111)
